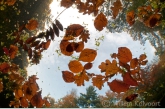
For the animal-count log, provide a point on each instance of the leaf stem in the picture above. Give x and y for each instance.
(60, 13)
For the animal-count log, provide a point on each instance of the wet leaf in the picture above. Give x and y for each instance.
(79, 79)
(118, 86)
(88, 66)
(124, 54)
(117, 7)
(68, 77)
(37, 100)
(127, 78)
(75, 66)
(24, 102)
(32, 25)
(87, 55)
(59, 25)
(100, 22)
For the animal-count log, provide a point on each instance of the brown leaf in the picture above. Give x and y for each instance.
(98, 81)
(47, 34)
(4, 67)
(24, 102)
(144, 62)
(25, 47)
(125, 65)
(56, 30)
(75, 66)
(30, 53)
(1, 86)
(80, 46)
(87, 55)
(63, 46)
(88, 66)
(142, 57)
(118, 86)
(114, 55)
(67, 3)
(124, 54)
(13, 51)
(47, 104)
(100, 22)
(153, 20)
(130, 17)
(70, 47)
(127, 78)
(85, 36)
(36, 43)
(32, 25)
(117, 6)
(30, 40)
(74, 30)
(46, 45)
(134, 62)
(18, 93)
(52, 33)
(37, 100)
(79, 79)
(131, 97)
(59, 25)
(15, 103)
(68, 76)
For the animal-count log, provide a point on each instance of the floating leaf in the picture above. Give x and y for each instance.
(32, 25)
(117, 6)
(100, 22)
(88, 55)
(56, 30)
(130, 17)
(24, 102)
(68, 76)
(124, 54)
(118, 86)
(134, 62)
(59, 25)
(37, 100)
(75, 66)
(88, 66)
(79, 79)
(63, 46)
(127, 78)
(131, 97)
(98, 81)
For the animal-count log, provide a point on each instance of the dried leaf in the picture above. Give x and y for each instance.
(80, 46)
(59, 25)
(153, 20)
(130, 17)
(35, 43)
(68, 76)
(124, 54)
(30, 40)
(47, 34)
(67, 3)
(134, 62)
(74, 30)
(70, 47)
(98, 81)
(125, 65)
(127, 78)
(75, 66)
(117, 6)
(79, 79)
(13, 51)
(24, 102)
(144, 62)
(15, 103)
(46, 45)
(51, 33)
(4, 67)
(56, 30)
(85, 36)
(114, 55)
(118, 86)
(37, 100)
(32, 25)
(18, 93)
(87, 55)
(63, 46)
(142, 57)
(131, 97)
(88, 66)
(100, 22)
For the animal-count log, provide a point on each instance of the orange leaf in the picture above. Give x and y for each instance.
(18, 93)
(130, 17)
(134, 62)
(85, 36)
(144, 62)
(75, 66)
(63, 46)
(98, 81)
(37, 100)
(80, 46)
(13, 51)
(59, 25)
(74, 30)
(118, 86)
(142, 57)
(88, 66)
(4, 67)
(79, 79)
(10, 2)
(15, 103)
(100, 22)
(127, 78)
(24, 102)
(30, 40)
(46, 45)
(67, 3)
(1, 86)
(87, 55)
(47, 104)
(32, 25)
(68, 76)
(124, 54)
(153, 20)
(117, 6)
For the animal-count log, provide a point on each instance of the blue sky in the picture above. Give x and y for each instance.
(51, 65)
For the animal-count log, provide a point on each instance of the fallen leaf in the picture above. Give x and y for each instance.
(87, 55)
(75, 66)
(63, 46)
(100, 22)
(68, 76)
(32, 24)
(37, 100)
(117, 7)
(79, 79)
(118, 86)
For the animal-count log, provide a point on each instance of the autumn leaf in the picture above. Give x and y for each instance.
(6, 51)
(134, 62)
(153, 20)
(13, 51)
(51, 32)
(127, 78)
(47, 104)
(117, 6)
(67, 3)
(131, 97)
(100, 22)
(142, 57)
(124, 54)
(88, 66)
(14, 103)
(10, 2)
(18, 93)
(68, 76)
(75, 66)
(74, 30)
(1, 86)
(63, 46)
(56, 30)
(46, 45)
(79, 79)
(24, 102)
(130, 17)
(114, 55)
(30, 53)
(85, 36)
(30, 40)
(144, 62)
(125, 65)
(59, 25)
(87, 55)
(118, 86)
(98, 81)
(37, 100)
(4, 67)
(32, 24)
(80, 46)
